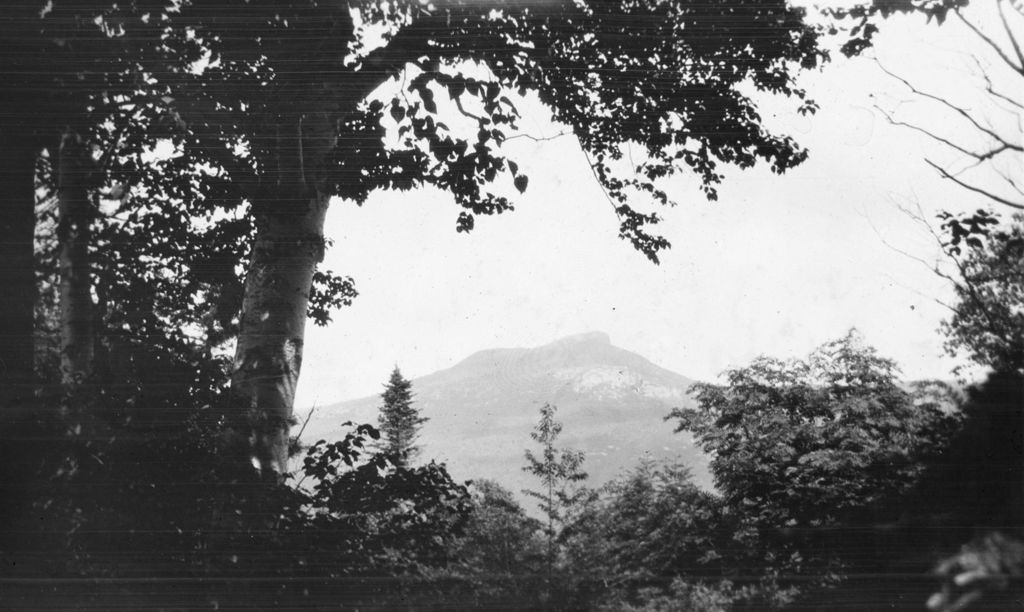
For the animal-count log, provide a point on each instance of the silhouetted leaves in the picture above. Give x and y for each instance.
(988, 316)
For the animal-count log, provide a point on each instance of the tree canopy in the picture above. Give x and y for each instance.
(807, 442)
(273, 108)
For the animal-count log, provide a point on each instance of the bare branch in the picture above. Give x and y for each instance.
(299, 436)
(990, 88)
(984, 192)
(960, 111)
(1010, 33)
(991, 43)
(539, 138)
(969, 287)
(927, 133)
(1012, 182)
(597, 177)
(932, 268)
(965, 283)
(306, 422)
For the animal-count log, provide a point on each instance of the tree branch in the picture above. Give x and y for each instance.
(960, 111)
(931, 268)
(597, 177)
(1009, 33)
(538, 138)
(991, 43)
(917, 128)
(991, 88)
(969, 187)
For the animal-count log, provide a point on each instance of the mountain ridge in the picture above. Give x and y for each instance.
(611, 401)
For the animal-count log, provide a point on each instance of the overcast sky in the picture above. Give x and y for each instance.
(777, 266)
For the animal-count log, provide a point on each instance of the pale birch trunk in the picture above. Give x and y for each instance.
(268, 357)
(289, 244)
(75, 298)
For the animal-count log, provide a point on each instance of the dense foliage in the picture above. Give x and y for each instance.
(501, 556)
(805, 443)
(800, 448)
(171, 513)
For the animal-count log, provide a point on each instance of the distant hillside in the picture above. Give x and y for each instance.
(611, 401)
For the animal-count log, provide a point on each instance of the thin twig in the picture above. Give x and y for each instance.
(960, 111)
(306, 422)
(969, 187)
(949, 143)
(593, 170)
(931, 268)
(1009, 33)
(991, 43)
(990, 88)
(538, 138)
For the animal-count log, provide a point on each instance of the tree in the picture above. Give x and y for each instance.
(805, 442)
(977, 488)
(994, 143)
(67, 66)
(399, 420)
(988, 316)
(560, 497)
(982, 249)
(653, 528)
(500, 553)
(385, 515)
(289, 84)
(799, 446)
(73, 233)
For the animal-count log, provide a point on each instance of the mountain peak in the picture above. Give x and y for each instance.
(591, 337)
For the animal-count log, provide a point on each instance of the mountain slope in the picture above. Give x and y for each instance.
(611, 401)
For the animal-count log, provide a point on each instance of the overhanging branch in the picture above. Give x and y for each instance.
(969, 187)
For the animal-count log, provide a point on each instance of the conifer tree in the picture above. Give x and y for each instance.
(399, 420)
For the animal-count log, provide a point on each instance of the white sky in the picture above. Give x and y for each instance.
(777, 266)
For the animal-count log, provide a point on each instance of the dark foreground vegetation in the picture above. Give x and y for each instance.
(837, 488)
(165, 170)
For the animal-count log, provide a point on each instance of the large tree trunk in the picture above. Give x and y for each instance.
(75, 216)
(17, 273)
(268, 357)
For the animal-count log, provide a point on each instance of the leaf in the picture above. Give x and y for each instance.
(428, 100)
(513, 167)
(397, 112)
(521, 182)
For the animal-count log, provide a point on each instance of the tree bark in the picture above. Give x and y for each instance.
(17, 272)
(75, 216)
(268, 357)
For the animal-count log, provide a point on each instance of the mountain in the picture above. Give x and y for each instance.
(611, 401)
